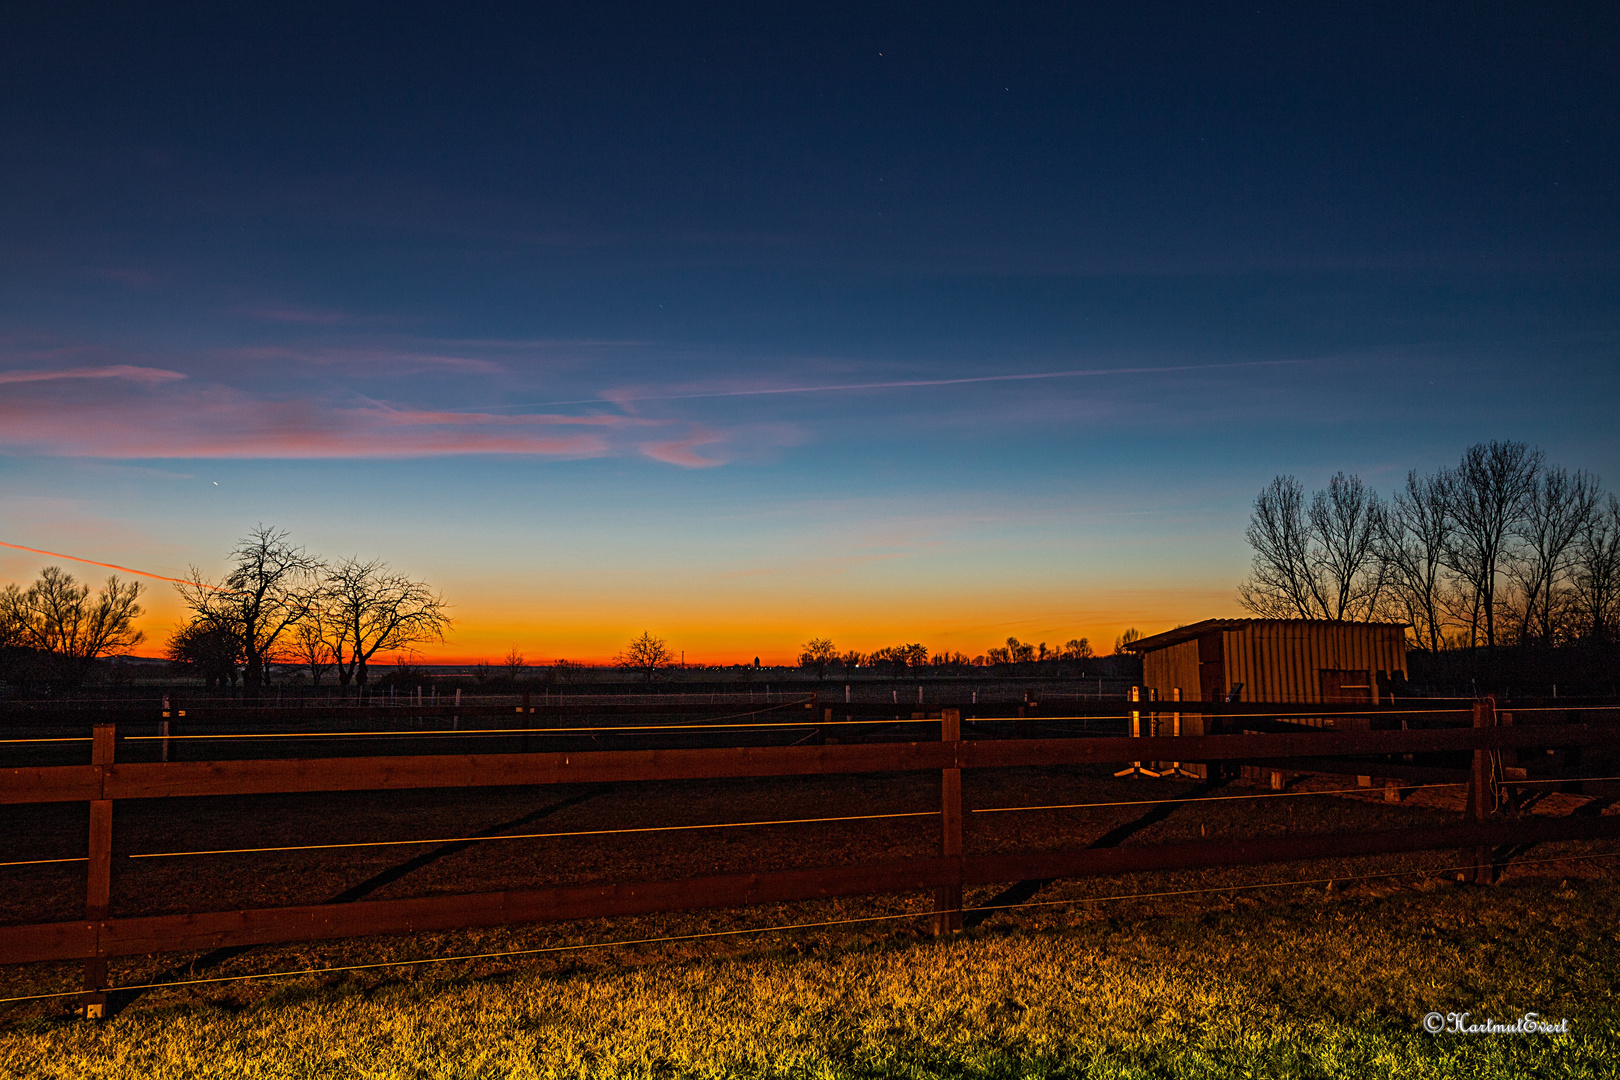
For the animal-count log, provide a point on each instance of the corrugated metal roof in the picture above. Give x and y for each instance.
(1197, 629)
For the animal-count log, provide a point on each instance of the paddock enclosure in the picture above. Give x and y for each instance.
(135, 831)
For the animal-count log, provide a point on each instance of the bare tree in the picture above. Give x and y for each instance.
(1282, 581)
(314, 643)
(270, 588)
(1488, 494)
(377, 608)
(57, 616)
(211, 650)
(647, 655)
(1558, 510)
(1596, 574)
(818, 653)
(1077, 649)
(1346, 521)
(1317, 561)
(513, 663)
(1129, 636)
(1412, 547)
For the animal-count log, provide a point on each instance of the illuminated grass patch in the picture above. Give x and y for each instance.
(1313, 984)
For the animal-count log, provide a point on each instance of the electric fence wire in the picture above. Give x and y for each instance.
(668, 938)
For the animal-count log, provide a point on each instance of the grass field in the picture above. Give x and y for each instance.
(1301, 982)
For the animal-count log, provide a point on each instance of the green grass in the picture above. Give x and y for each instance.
(1300, 983)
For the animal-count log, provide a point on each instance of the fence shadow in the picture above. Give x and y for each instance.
(118, 1000)
(1024, 891)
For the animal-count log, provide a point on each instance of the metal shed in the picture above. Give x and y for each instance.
(1277, 661)
(1294, 661)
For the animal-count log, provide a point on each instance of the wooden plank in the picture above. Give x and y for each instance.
(210, 930)
(188, 778)
(36, 942)
(167, 779)
(1000, 753)
(1090, 862)
(1419, 774)
(50, 783)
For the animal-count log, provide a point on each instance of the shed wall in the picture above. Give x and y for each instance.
(1280, 661)
(1170, 667)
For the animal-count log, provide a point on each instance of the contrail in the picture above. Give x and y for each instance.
(904, 383)
(108, 565)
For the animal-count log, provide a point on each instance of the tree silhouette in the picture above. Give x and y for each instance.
(379, 609)
(57, 616)
(647, 655)
(819, 653)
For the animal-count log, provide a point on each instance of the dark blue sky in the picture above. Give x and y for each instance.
(583, 259)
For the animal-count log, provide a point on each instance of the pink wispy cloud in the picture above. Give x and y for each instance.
(111, 371)
(222, 422)
(683, 451)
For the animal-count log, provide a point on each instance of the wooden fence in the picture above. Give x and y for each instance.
(104, 780)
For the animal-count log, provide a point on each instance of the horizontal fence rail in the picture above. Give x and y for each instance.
(182, 779)
(1360, 750)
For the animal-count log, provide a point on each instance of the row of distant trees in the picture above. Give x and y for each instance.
(821, 655)
(279, 604)
(647, 655)
(1505, 548)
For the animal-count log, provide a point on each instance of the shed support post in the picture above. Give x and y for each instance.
(1137, 768)
(98, 890)
(948, 897)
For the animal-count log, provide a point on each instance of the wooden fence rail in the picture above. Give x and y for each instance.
(100, 783)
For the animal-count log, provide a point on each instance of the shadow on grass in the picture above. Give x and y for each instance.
(120, 1000)
(1022, 892)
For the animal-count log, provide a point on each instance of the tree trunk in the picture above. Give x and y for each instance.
(253, 676)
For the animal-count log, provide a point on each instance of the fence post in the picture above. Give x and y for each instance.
(948, 897)
(1482, 800)
(98, 891)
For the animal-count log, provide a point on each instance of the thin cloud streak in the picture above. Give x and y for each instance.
(107, 565)
(620, 398)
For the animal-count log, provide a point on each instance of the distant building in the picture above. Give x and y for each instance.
(1288, 661)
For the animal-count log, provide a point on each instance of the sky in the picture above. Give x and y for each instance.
(748, 324)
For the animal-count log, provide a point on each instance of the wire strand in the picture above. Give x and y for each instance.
(1215, 798)
(14, 742)
(1560, 780)
(535, 836)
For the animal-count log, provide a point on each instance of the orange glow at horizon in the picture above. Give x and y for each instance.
(591, 628)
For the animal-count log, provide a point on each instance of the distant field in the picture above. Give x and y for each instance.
(1299, 982)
